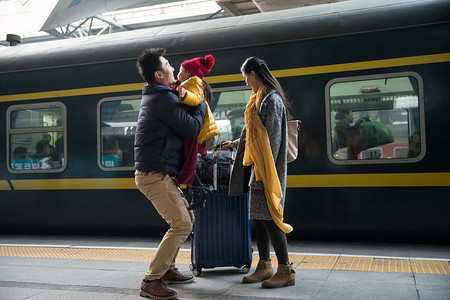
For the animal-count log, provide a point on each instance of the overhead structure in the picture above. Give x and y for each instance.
(77, 29)
(77, 18)
(247, 7)
(238, 7)
(70, 18)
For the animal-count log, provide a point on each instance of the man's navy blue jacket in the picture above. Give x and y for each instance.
(162, 124)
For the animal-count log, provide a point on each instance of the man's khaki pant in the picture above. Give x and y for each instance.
(170, 203)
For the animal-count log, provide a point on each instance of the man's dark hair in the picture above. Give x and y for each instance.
(148, 63)
(40, 146)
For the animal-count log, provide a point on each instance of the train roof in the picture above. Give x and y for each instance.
(339, 18)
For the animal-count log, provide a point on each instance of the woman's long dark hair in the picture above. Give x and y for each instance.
(261, 69)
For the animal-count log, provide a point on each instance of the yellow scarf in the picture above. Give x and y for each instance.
(258, 152)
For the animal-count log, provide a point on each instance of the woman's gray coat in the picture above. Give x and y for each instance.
(273, 116)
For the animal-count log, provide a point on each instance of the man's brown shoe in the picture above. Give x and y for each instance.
(174, 276)
(156, 289)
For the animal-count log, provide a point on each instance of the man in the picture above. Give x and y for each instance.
(158, 152)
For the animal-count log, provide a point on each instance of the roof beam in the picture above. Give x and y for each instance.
(110, 21)
(238, 7)
(272, 5)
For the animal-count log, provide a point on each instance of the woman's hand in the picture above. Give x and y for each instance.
(228, 145)
(182, 93)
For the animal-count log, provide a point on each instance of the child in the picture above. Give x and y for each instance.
(192, 89)
(190, 78)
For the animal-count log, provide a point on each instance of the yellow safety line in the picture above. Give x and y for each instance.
(4, 186)
(293, 181)
(365, 65)
(300, 261)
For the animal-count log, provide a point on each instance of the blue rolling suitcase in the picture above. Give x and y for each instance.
(222, 234)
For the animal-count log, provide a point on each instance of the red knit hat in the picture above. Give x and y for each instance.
(199, 66)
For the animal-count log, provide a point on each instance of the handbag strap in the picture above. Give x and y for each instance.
(218, 145)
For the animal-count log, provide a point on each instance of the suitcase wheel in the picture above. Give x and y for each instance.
(245, 269)
(197, 272)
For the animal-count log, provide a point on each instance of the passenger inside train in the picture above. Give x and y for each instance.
(112, 155)
(36, 137)
(414, 145)
(20, 153)
(20, 159)
(118, 126)
(345, 135)
(387, 119)
(45, 152)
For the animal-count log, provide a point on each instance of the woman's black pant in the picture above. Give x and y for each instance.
(266, 232)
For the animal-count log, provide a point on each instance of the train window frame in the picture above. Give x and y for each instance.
(99, 132)
(32, 130)
(224, 90)
(386, 76)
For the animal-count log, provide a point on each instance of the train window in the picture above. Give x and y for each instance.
(36, 138)
(376, 119)
(117, 119)
(228, 106)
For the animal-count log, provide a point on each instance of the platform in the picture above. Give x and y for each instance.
(56, 267)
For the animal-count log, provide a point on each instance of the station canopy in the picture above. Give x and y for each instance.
(77, 18)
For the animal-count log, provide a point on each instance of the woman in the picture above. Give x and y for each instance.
(346, 136)
(263, 147)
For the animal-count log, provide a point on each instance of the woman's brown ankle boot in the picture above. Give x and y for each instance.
(263, 271)
(284, 276)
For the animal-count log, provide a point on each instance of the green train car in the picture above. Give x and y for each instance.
(69, 110)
